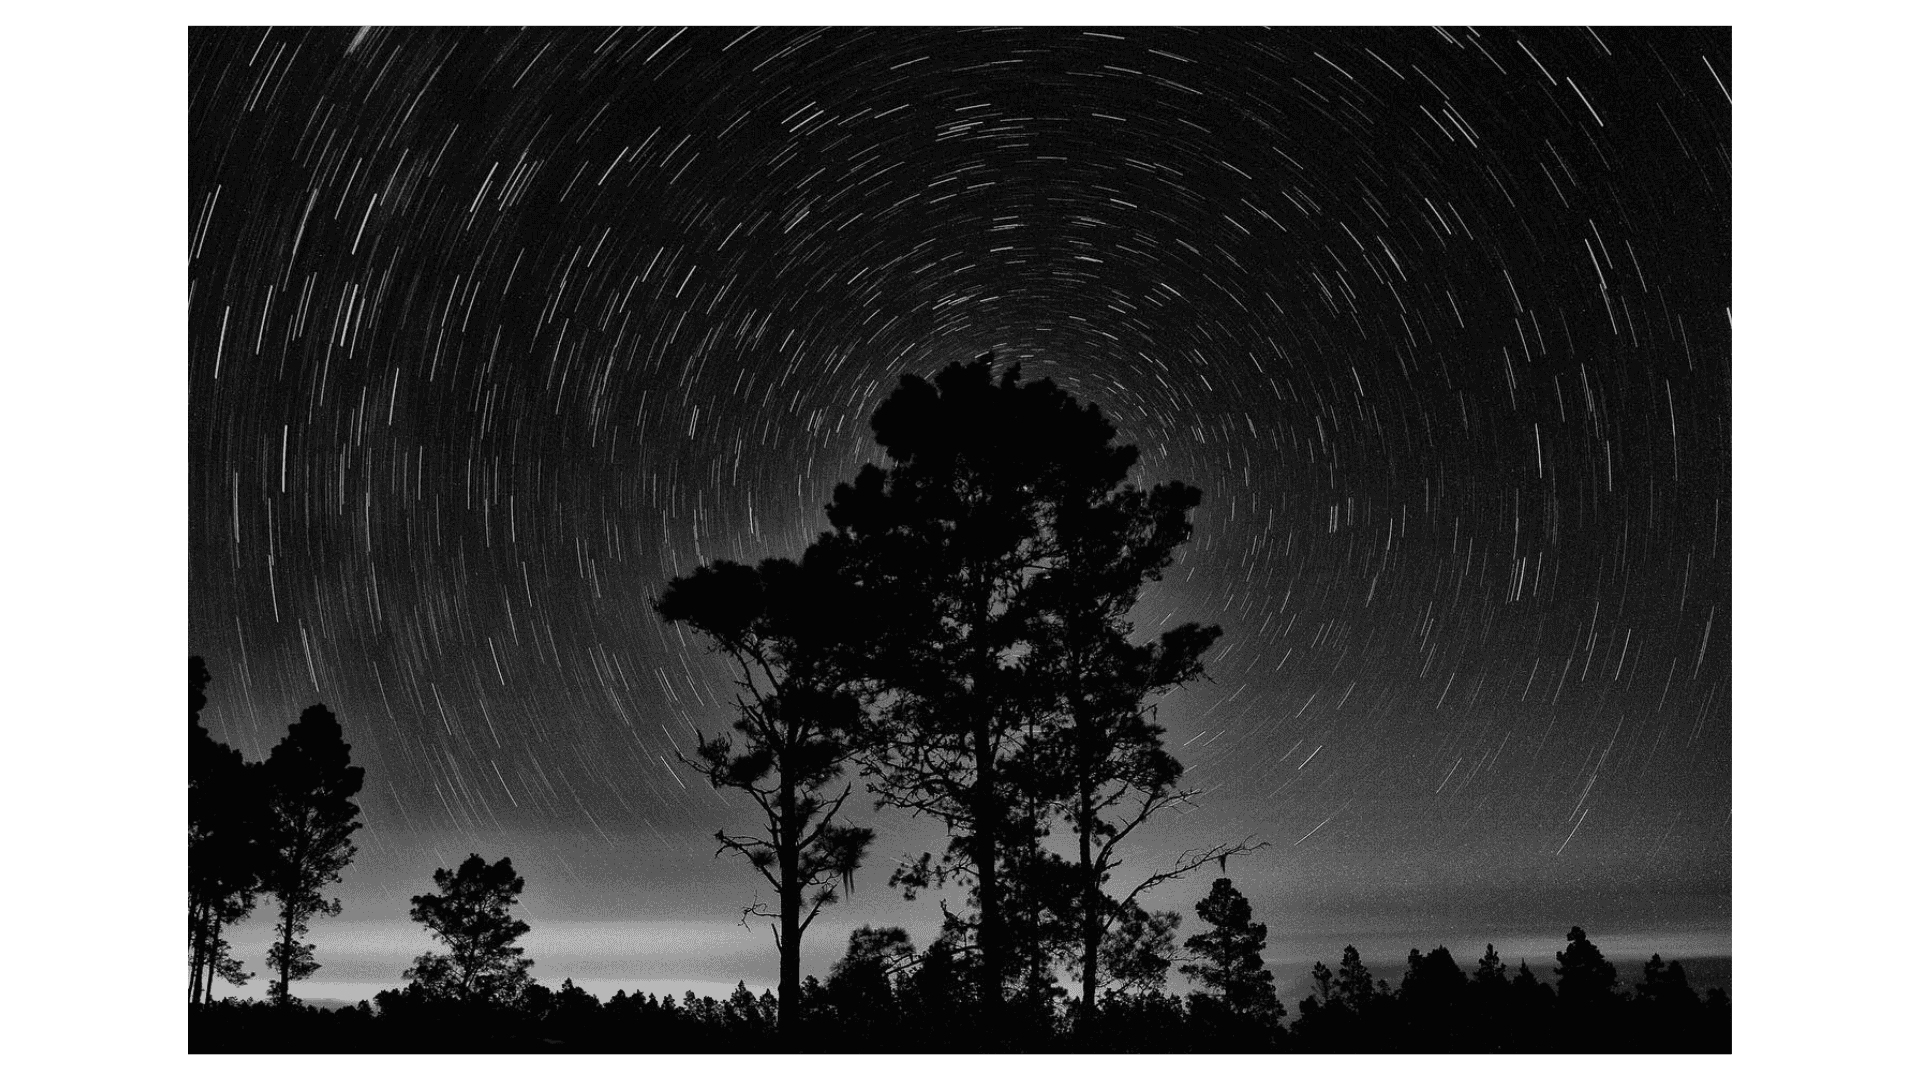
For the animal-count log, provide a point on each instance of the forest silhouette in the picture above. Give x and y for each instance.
(957, 645)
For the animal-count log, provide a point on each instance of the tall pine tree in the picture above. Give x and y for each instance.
(310, 784)
(944, 541)
(1105, 753)
(1232, 975)
(789, 631)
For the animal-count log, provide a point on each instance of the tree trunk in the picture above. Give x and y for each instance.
(1089, 913)
(790, 886)
(1036, 959)
(213, 954)
(286, 949)
(199, 946)
(985, 822)
(1083, 819)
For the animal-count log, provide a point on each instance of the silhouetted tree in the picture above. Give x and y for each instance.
(1490, 970)
(1585, 977)
(310, 783)
(946, 540)
(1106, 754)
(1229, 967)
(224, 844)
(1668, 1014)
(1665, 983)
(1526, 981)
(1038, 902)
(1717, 1023)
(197, 679)
(1322, 981)
(1325, 1023)
(1432, 1003)
(860, 988)
(939, 994)
(1489, 994)
(472, 915)
(790, 631)
(1353, 985)
(1351, 1011)
(569, 1016)
(1530, 1011)
(747, 1019)
(1151, 1022)
(1137, 951)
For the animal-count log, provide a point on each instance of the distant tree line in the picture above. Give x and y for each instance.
(959, 645)
(886, 996)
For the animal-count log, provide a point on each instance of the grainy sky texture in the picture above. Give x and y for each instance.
(492, 332)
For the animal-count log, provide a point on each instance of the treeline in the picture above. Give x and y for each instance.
(885, 996)
(959, 645)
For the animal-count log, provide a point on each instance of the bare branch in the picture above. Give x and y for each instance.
(1150, 805)
(758, 910)
(1190, 860)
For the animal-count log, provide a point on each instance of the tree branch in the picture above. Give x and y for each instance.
(825, 820)
(1189, 861)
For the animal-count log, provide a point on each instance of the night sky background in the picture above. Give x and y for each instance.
(493, 332)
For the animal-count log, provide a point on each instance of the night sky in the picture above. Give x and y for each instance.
(493, 332)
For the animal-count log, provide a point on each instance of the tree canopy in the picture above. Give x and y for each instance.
(999, 551)
(471, 914)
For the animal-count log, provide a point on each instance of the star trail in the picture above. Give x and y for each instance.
(494, 331)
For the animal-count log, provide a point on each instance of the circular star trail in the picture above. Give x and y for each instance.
(492, 332)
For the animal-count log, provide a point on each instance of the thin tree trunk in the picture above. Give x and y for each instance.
(1089, 913)
(213, 955)
(790, 885)
(286, 949)
(1084, 754)
(198, 923)
(985, 820)
(1035, 951)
